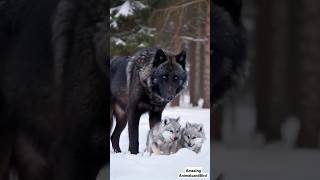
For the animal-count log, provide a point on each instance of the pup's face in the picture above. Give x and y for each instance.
(169, 75)
(170, 129)
(193, 135)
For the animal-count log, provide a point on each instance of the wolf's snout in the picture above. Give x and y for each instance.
(170, 98)
(175, 138)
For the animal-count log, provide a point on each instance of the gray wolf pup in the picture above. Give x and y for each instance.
(163, 137)
(192, 137)
(145, 82)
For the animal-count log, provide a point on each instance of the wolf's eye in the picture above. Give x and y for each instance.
(175, 77)
(164, 77)
(171, 131)
(188, 137)
(194, 137)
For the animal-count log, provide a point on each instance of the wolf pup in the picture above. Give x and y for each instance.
(192, 137)
(163, 137)
(145, 82)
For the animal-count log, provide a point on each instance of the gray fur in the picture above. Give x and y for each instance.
(160, 140)
(192, 137)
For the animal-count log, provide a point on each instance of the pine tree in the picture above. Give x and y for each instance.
(128, 23)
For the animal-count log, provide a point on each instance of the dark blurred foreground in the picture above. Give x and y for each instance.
(270, 127)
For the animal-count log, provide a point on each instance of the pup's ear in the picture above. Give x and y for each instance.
(178, 119)
(159, 58)
(164, 121)
(200, 128)
(181, 58)
(188, 124)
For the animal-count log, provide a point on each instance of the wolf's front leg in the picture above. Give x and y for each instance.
(155, 149)
(154, 118)
(133, 125)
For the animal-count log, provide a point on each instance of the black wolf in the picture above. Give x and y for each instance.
(228, 47)
(145, 82)
(53, 89)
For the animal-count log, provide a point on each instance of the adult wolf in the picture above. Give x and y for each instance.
(228, 48)
(145, 82)
(53, 89)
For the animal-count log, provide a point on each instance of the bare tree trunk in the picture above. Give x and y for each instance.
(278, 93)
(263, 63)
(217, 123)
(293, 57)
(310, 69)
(177, 45)
(192, 75)
(206, 68)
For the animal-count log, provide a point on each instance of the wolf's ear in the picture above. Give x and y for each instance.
(164, 121)
(200, 128)
(178, 119)
(188, 124)
(181, 58)
(159, 58)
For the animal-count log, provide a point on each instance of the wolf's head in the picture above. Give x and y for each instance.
(168, 76)
(170, 128)
(193, 136)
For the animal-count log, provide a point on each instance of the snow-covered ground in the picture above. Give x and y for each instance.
(244, 156)
(268, 162)
(125, 166)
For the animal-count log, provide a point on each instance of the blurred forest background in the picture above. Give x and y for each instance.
(173, 26)
(269, 128)
(280, 102)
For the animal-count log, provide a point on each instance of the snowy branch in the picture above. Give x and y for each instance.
(180, 5)
(127, 8)
(188, 38)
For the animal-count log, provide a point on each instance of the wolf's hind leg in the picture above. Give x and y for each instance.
(121, 122)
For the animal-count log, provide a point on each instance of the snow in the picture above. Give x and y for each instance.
(243, 155)
(118, 41)
(127, 8)
(114, 24)
(125, 166)
(147, 31)
(275, 161)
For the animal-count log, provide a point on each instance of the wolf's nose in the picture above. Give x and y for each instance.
(175, 138)
(169, 98)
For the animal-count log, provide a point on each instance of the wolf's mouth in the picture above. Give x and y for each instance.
(190, 145)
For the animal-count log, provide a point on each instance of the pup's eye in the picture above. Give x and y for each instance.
(188, 137)
(164, 77)
(194, 137)
(175, 77)
(171, 131)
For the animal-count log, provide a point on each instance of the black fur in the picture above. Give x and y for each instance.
(228, 47)
(53, 88)
(145, 82)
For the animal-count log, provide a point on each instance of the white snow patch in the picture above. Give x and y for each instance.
(125, 166)
(127, 8)
(114, 24)
(147, 31)
(118, 41)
